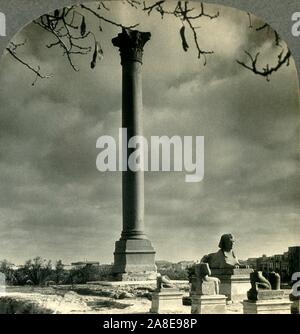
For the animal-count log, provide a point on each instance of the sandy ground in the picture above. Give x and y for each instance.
(73, 303)
(50, 300)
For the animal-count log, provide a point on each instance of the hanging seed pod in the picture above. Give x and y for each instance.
(185, 45)
(95, 54)
(83, 27)
(93, 65)
(98, 53)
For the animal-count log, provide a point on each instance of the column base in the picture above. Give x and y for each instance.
(134, 260)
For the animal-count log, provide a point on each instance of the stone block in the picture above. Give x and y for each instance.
(166, 301)
(265, 294)
(207, 288)
(187, 300)
(231, 271)
(274, 306)
(295, 307)
(202, 287)
(203, 304)
(235, 283)
(134, 259)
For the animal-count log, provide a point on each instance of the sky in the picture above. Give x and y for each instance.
(55, 204)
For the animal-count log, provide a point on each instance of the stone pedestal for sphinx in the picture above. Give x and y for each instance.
(224, 264)
(166, 301)
(295, 308)
(204, 293)
(234, 282)
(265, 295)
(268, 302)
(166, 298)
(2, 283)
(208, 304)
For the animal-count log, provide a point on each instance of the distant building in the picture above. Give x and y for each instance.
(182, 265)
(163, 265)
(294, 259)
(16, 266)
(83, 264)
(284, 264)
(12, 266)
(252, 262)
(67, 267)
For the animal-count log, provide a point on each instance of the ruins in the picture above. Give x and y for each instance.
(134, 256)
(224, 264)
(205, 292)
(265, 295)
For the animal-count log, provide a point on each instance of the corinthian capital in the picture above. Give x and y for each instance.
(131, 44)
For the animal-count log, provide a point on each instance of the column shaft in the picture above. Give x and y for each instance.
(132, 181)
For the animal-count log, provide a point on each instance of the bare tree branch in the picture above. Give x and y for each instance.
(103, 5)
(268, 27)
(266, 71)
(70, 32)
(282, 58)
(107, 20)
(250, 21)
(187, 16)
(66, 33)
(133, 3)
(157, 6)
(12, 48)
(69, 29)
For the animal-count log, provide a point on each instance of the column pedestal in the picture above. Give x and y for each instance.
(134, 260)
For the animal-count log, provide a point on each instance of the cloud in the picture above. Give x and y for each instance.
(56, 204)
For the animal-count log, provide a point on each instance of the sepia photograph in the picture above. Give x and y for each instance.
(149, 162)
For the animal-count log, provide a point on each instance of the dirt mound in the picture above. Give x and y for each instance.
(18, 303)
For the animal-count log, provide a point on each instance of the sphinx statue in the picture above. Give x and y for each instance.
(166, 297)
(205, 291)
(259, 281)
(205, 283)
(275, 280)
(259, 284)
(163, 282)
(225, 258)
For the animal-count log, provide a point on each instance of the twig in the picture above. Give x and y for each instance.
(250, 21)
(31, 68)
(187, 16)
(107, 20)
(266, 71)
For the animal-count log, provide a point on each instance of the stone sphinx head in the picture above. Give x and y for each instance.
(226, 243)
